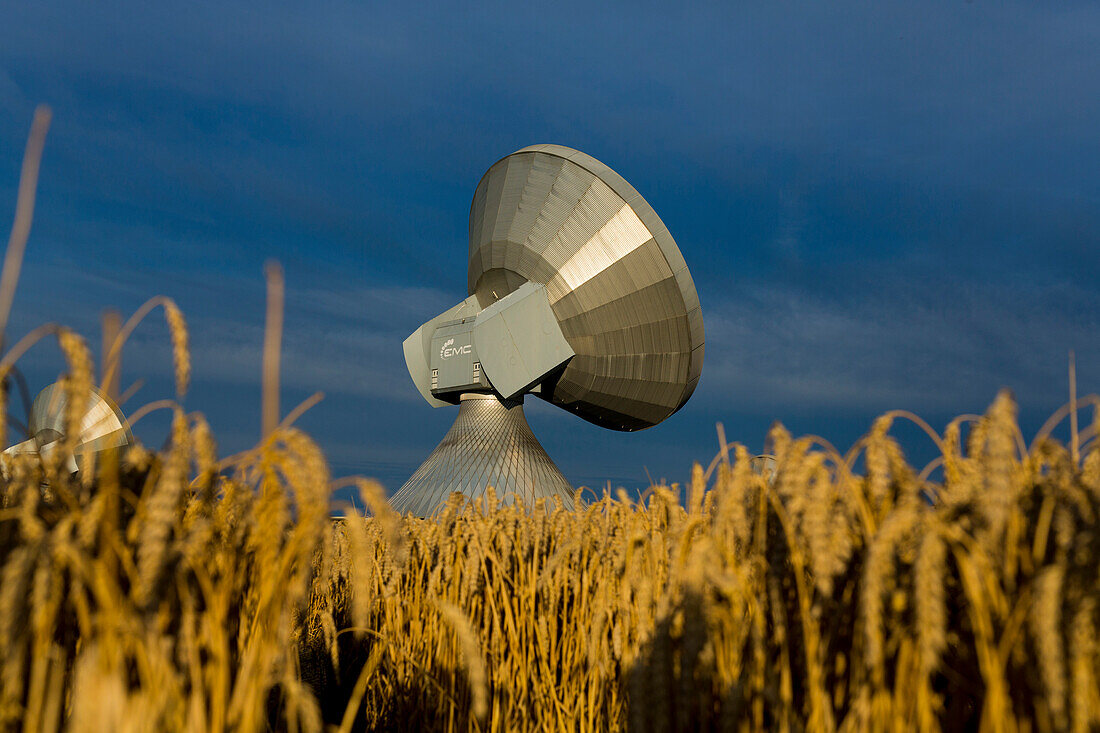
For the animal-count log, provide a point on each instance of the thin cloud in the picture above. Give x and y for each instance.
(897, 347)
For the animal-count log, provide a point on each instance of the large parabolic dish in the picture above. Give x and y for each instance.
(577, 294)
(615, 279)
(101, 428)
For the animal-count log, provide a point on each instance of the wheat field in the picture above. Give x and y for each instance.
(179, 590)
(175, 590)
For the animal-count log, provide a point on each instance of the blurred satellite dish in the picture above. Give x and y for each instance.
(763, 465)
(577, 294)
(102, 428)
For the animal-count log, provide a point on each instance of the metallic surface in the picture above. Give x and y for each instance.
(418, 347)
(763, 465)
(455, 366)
(615, 278)
(603, 320)
(103, 426)
(518, 341)
(490, 444)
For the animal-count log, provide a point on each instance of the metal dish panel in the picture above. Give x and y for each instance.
(616, 281)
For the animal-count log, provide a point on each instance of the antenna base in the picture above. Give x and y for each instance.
(489, 444)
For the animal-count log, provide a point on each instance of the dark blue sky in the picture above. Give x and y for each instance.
(884, 205)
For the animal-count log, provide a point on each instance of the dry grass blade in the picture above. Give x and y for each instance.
(177, 329)
(471, 657)
(24, 213)
(273, 336)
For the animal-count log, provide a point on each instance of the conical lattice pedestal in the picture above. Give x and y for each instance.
(490, 444)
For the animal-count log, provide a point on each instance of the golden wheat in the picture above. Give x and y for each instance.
(164, 592)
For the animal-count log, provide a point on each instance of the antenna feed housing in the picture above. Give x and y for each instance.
(508, 348)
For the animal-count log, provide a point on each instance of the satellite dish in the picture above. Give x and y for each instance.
(763, 465)
(577, 294)
(102, 428)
